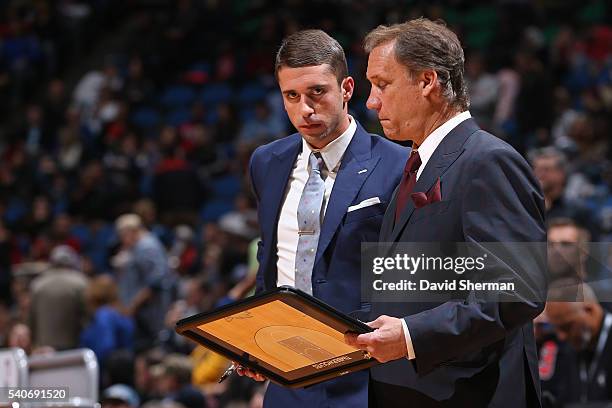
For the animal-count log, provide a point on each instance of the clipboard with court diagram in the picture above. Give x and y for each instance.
(290, 337)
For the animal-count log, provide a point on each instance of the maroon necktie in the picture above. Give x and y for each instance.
(408, 182)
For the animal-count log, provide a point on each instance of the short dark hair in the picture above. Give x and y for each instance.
(424, 44)
(584, 236)
(309, 48)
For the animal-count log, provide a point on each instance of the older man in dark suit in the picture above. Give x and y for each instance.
(460, 184)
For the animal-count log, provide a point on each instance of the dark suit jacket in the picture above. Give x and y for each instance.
(472, 353)
(371, 167)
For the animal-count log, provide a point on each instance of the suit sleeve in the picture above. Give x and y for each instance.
(502, 203)
(259, 283)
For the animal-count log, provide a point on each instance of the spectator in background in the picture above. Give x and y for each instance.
(120, 396)
(89, 199)
(70, 150)
(5, 266)
(108, 330)
(534, 102)
(122, 171)
(5, 322)
(20, 336)
(183, 255)
(146, 285)
(509, 86)
(228, 126)
(174, 381)
(567, 250)
(483, 88)
(35, 134)
(263, 126)
(177, 190)
(138, 87)
(591, 138)
(87, 92)
(586, 327)
(565, 116)
(58, 312)
(551, 168)
(55, 107)
(144, 380)
(40, 218)
(119, 368)
(146, 210)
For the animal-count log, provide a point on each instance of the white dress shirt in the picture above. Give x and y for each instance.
(287, 229)
(426, 150)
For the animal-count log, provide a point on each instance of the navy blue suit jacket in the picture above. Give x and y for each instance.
(472, 354)
(371, 167)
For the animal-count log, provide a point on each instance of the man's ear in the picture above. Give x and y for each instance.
(428, 80)
(348, 86)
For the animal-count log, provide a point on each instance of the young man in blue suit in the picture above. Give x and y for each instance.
(462, 184)
(321, 192)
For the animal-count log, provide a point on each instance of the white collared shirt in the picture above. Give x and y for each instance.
(431, 142)
(426, 150)
(287, 229)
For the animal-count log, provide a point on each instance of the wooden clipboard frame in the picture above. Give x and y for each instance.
(322, 313)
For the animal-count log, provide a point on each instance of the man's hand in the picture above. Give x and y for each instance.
(386, 343)
(243, 371)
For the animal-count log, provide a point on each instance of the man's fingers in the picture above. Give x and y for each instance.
(378, 322)
(243, 371)
(240, 371)
(358, 340)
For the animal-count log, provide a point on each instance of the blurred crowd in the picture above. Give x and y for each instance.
(124, 201)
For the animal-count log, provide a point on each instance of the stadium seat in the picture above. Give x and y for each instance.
(177, 95)
(213, 94)
(145, 118)
(226, 187)
(251, 93)
(214, 209)
(178, 116)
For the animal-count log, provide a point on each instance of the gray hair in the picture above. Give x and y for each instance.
(549, 152)
(422, 44)
(63, 256)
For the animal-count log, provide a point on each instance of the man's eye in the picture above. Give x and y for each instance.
(382, 85)
(317, 91)
(292, 95)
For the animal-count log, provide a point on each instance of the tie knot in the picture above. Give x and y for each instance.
(317, 164)
(413, 163)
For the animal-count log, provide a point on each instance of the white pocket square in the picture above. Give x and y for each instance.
(365, 203)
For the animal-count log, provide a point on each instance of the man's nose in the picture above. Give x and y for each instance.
(373, 102)
(306, 109)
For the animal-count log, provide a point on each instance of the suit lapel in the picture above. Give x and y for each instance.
(276, 179)
(388, 220)
(445, 154)
(351, 176)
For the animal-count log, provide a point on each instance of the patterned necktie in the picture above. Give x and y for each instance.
(407, 183)
(309, 224)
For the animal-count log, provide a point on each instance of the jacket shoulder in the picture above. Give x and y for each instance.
(277, 145)
(484, 147)
(388, 148)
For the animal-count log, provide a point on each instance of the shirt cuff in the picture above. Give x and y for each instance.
(409, 347)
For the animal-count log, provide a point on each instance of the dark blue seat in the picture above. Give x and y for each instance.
(213, 94)
(177, 95)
